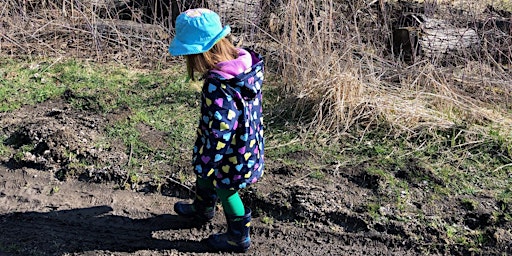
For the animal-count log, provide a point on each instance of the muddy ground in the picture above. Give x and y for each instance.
(44, 210)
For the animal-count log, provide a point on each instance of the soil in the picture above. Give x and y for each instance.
(48, 206)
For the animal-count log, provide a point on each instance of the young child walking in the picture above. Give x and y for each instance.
(228, 152)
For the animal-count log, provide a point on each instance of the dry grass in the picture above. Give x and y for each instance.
(336, 65)
(333, 57)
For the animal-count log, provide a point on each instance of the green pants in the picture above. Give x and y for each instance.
(230, 199)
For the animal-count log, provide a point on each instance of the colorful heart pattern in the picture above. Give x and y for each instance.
(230, 132)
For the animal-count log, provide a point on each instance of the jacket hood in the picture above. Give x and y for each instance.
(244, 74)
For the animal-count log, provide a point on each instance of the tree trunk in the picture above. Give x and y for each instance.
(432, 38)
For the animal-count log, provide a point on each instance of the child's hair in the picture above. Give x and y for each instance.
(223, 50)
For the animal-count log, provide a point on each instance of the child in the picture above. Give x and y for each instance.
(228, 152)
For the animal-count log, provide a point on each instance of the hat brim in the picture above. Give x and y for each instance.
(178, 48)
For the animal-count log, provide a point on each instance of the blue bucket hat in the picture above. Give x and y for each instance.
(197, 31)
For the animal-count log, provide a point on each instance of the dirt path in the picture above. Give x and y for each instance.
(44, 212)
(41, 215)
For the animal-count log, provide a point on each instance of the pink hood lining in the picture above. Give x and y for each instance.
(232, 68)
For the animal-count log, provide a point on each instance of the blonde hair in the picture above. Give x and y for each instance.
(223, 50)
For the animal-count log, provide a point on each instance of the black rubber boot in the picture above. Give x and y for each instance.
(203, 207)
(237, 238)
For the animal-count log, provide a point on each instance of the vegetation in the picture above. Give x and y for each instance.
(441, 125)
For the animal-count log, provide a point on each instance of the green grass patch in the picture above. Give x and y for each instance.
(465, 161)
(23, 83)
(4, 150)
(169, 108)
(159, 100)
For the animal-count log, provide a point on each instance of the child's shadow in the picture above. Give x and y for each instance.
(87, 229)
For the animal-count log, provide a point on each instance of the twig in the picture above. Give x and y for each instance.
(283, 145)
(468, 143)
(41, 28)
(131, 153)
(51, 65)
(501, 167)
(128, 163)
(301, 178)
(181, 184)
(13, 41)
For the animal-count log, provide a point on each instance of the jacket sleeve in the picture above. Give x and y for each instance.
(219, 116)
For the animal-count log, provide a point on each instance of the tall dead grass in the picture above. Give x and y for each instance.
(318, 66)
(337, 65)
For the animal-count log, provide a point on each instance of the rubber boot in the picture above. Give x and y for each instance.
(203, 207)
(237, 238)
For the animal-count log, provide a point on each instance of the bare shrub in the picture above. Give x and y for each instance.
(134, 31)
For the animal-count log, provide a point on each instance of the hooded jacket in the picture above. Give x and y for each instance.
(229, 146)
